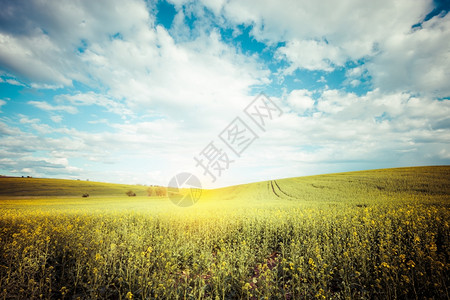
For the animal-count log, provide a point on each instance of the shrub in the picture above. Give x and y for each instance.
(130, 193)
(160, 191)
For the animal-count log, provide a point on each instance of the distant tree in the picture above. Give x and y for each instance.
(130, 193)
(150, 191)
(160, 191)
(85, 195)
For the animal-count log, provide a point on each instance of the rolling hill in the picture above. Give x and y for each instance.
(355, 187)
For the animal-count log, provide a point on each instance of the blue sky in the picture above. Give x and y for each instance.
(131, 93)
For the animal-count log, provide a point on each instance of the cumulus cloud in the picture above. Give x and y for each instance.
(177, 88)
(416, 61)
(300, 100)
(183, 80)
(324, 35)
(311, 55)
(393, 130)
(39, 40)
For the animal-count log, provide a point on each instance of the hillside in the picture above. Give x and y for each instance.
(361, 186)
(43, 187)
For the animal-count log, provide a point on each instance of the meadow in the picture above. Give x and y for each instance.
(379, 234)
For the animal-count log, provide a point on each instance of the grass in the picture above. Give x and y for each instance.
(42, 187)
(380, 234)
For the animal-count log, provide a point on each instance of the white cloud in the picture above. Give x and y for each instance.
(300, 100)
(193, 81)
(312, 55)
(56, 119)
(90, 98)
(374, 130)
(354, 72)
(323, 35)
(13, 82)
(51, 32)
(99, 121)
(355, 82)
(48, 107)
(416, 61)
(26, 120)
(351, 24)
(16, 55)
(2, 102)
(144, 69)
(322, 79)
(45, 86)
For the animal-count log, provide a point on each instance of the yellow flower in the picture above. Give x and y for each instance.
(405, 278)
(63, 290)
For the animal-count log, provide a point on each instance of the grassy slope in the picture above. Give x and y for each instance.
(41, 187)
(359, 188)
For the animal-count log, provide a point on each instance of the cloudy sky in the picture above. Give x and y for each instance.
(133, 92)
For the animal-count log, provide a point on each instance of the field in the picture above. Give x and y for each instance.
(380, 234)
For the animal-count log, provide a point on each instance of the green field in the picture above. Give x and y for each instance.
(379, 234)
(41, 187)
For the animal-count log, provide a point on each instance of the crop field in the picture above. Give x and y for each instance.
(379, 234)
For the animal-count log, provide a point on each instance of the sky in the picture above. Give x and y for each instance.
(137, 92)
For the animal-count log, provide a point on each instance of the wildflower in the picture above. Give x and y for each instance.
(405, 278)
(411, 264)
(63, 290)
(433, 247)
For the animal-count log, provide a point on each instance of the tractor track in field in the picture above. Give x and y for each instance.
(281, 190)
(275, 187)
